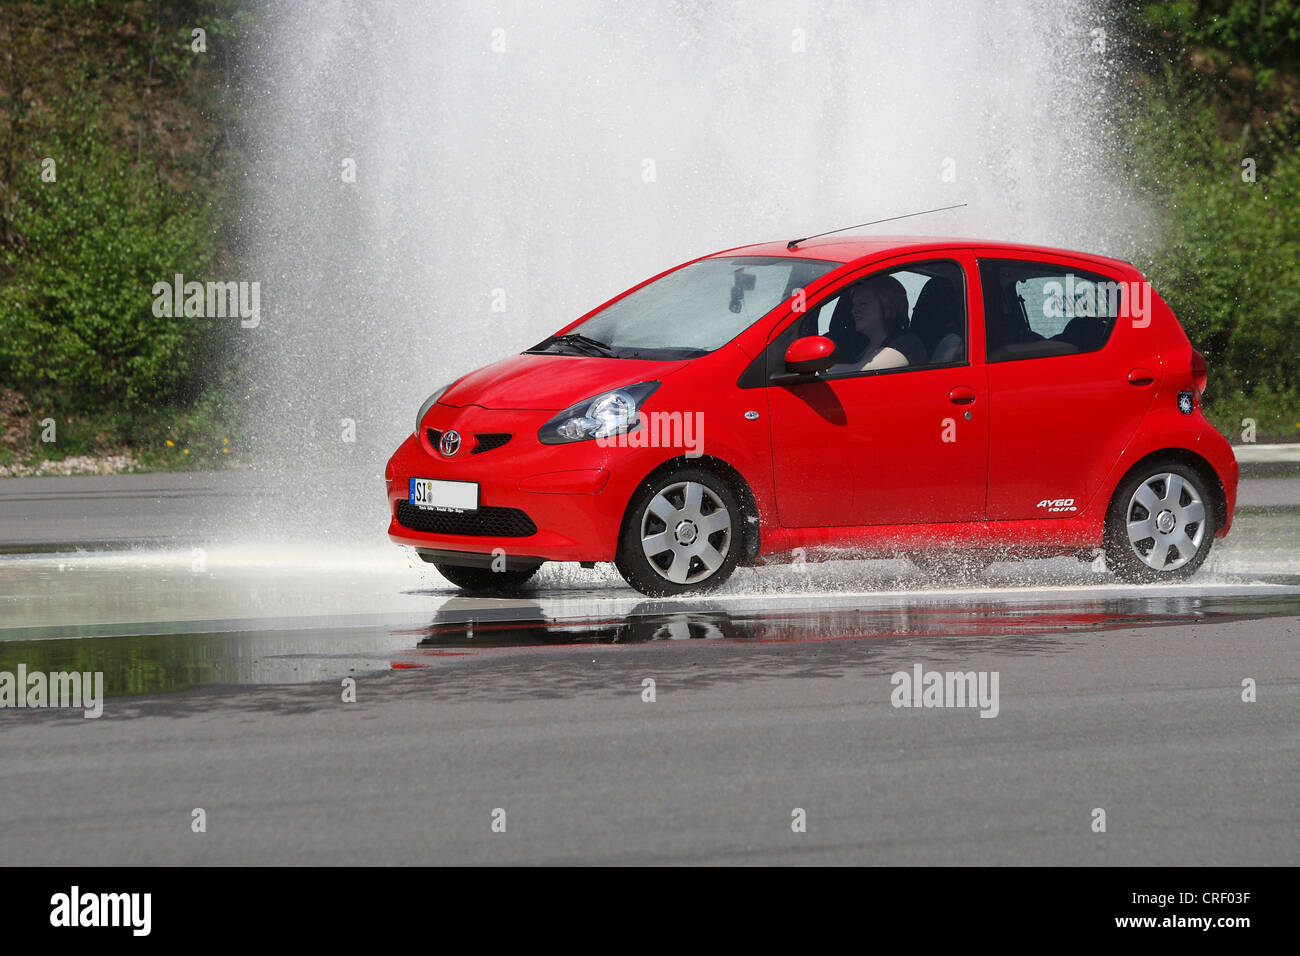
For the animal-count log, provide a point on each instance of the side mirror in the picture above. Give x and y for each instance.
(812, 353)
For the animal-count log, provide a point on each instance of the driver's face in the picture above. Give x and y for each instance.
(868, 313)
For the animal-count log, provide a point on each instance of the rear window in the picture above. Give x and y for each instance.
(1039, 310)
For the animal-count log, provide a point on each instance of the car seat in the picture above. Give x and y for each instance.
(1087, 333)
(937, 321)
(1016, 319)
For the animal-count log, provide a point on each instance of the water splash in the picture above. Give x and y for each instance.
(516, 166)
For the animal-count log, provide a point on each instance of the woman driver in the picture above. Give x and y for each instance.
(880, 313)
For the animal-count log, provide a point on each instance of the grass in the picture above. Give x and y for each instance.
(200, 437)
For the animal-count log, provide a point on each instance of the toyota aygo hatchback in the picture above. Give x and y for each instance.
(952, 400)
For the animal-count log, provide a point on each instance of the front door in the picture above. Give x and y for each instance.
(899, 446)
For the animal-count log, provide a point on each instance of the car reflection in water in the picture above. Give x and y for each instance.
(464, 624)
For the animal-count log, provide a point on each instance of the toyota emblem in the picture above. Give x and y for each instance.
(450, 443)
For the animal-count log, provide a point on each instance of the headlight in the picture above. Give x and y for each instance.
(428, 404)
(609, 413)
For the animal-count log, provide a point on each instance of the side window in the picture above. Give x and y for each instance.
(824, 315)
(1037, 310)
(915, 315)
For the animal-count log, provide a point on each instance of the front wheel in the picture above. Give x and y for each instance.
(681, 534)
(1160, 524)
(485, 580)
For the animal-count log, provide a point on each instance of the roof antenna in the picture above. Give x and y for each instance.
(794, 242)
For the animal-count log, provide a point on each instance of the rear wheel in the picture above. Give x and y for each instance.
(1160, 524)
(485, 579)
(681, 535)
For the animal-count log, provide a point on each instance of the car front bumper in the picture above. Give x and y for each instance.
(536, 502)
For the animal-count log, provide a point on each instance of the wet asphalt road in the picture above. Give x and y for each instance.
(226, 680)
(1147, 724)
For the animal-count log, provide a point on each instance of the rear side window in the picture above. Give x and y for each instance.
(1038, 310)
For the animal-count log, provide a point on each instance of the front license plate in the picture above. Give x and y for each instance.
(438, 495)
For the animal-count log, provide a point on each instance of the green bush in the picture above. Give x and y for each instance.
(1264, 34)
(76, 322)
(1228, 264)
(1227, 249)
(1276, 414)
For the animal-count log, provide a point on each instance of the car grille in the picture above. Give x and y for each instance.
(486, 522)
(489, 441)
(484, 441)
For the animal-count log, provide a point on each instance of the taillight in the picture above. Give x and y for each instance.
(1199, 372)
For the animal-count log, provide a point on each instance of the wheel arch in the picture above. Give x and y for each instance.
(1191, 460)
(751, 535)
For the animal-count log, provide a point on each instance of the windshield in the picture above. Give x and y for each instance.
(692, 310)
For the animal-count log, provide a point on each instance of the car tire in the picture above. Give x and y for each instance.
(485, 580)
(682, 533)
(1160, 524)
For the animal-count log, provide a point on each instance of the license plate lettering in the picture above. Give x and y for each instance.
(438, 495)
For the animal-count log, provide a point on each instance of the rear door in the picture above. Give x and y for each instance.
(901, 446)
(1072, 369)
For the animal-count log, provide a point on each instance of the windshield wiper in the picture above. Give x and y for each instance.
(591, 345)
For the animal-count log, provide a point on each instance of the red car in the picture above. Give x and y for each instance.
(954, 400)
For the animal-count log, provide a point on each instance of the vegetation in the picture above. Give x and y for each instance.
(1212, 131)
(115, 164)
(112, 171)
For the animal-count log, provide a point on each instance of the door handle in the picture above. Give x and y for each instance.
(962, 395)
(1140, 377)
